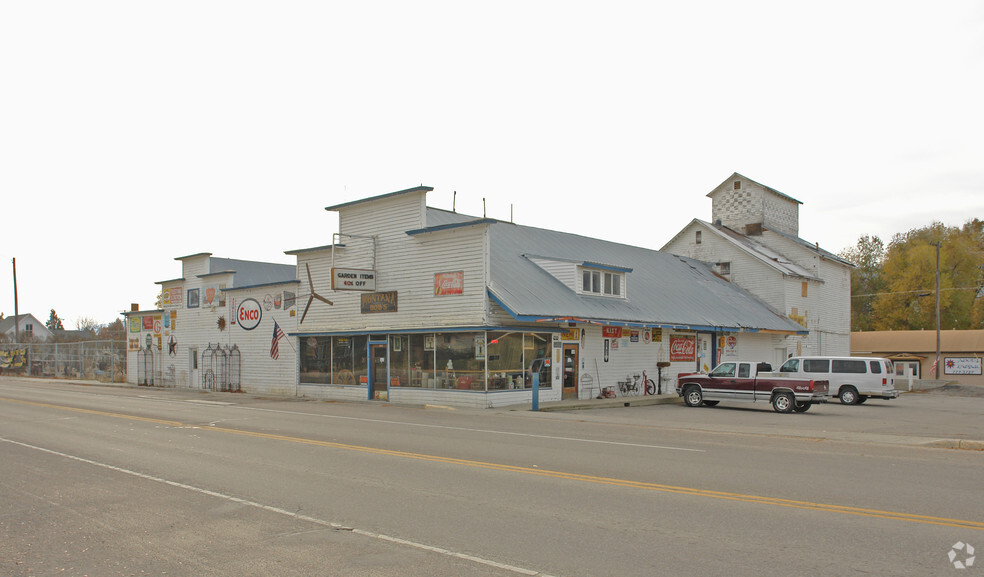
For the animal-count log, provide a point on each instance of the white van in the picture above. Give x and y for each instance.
(852, 379)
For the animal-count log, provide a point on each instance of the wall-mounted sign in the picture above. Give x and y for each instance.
(135, 326)
(682, 348)
(611, 332)
(570, 335)
(384, 302)
(353, 279)
(148, 323)
(449, 283)
(962, 366)
(249, 314)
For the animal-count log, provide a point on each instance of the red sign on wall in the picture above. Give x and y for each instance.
(611, 332)
(449, 283)
(683, 348)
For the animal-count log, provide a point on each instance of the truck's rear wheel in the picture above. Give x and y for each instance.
(693, 396)
(802, 407)
(783, 402)
(849, 395)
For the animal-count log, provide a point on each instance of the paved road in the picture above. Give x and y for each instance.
(126, 481)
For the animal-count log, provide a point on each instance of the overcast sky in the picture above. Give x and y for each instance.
(132, 133)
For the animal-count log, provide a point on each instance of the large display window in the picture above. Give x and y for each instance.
(473, 361)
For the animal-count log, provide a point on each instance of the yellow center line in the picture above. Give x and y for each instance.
(690, 491)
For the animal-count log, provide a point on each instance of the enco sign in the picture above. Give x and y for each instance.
(249, 314)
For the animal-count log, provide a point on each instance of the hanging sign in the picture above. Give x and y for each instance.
(353, 279)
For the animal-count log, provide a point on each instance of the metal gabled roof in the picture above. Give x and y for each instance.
(661, 289)
(762, 252)
(251, 273)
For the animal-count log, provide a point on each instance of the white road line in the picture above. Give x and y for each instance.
(292, 514)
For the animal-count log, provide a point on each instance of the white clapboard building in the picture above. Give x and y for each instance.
(753, 241)
(414, 304)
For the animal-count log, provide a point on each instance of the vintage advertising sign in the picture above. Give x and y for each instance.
(353, 279)
(134, 324)
(449, 283)
(570, 335)
(249, 314)
(961, 365)
(682, 348)
(611, 332)
(384, 302)
(148, 323)
(175, 295)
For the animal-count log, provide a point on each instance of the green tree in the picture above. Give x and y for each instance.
(54, 323)
(866, 279)
(114, 331)
(909, 273)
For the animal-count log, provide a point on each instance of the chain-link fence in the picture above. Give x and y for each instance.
(90, 360)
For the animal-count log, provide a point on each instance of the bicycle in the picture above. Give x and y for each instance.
(629, 385)
(632, 382)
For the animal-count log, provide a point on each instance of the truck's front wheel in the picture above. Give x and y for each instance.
(693, 396)
(783, 402)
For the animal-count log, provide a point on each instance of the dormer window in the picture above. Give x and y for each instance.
(602, 282)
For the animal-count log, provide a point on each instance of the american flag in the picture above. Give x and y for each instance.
(278, 334)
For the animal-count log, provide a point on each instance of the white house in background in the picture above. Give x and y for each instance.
(27, 328)
(753, 241)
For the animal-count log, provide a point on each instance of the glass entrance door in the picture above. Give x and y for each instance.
(570, 371)
(378, 389)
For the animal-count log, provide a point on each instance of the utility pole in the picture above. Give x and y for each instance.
(16, 320)
(939, 369)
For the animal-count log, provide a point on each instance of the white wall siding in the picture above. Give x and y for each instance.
(405, 264)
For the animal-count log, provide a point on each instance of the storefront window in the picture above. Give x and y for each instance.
(399, 355)
(460, 361)
(349, 361)
(505, 354)
(536, 348)
(422, 361)
(316, 360)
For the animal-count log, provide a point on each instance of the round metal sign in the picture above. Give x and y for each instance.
(249, 314)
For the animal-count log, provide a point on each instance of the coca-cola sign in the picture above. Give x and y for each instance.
(449, 283)
(682, 348)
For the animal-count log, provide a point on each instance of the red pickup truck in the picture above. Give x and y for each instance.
(740, 381)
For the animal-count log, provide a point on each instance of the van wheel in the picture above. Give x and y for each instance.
(802, 407)
(849, 396)
(693, 396)
(783, 402)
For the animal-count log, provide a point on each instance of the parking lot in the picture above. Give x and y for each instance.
(950, 417)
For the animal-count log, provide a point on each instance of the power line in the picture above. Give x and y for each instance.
(924, 292)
